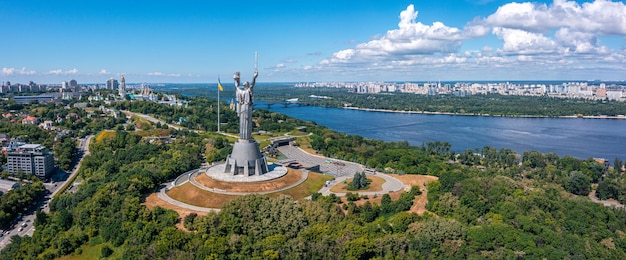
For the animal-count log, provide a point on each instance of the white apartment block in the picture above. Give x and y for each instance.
(31, 159)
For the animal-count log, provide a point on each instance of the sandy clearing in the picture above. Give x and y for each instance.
(419, 204)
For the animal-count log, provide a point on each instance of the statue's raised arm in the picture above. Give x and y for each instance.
(256, 74)
(236, 77)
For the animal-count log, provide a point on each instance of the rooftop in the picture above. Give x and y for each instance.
(29, 146)
(7, 185)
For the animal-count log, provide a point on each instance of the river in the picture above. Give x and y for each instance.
(580, 138)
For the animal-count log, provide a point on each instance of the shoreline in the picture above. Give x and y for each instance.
(485, 115)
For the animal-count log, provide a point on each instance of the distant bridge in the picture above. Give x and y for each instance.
(269, 104)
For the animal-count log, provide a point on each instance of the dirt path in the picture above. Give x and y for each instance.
(419, 205)
(607, 203)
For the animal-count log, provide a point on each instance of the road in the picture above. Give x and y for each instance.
(53, 187)
(83, 148)
(151, 119)
(606, 203)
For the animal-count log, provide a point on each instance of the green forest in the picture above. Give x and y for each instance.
(490, 104)
(487, 204)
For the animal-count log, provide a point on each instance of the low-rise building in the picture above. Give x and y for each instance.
(47, 125)
(30, 120)
(31, 159)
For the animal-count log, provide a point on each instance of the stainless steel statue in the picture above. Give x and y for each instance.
(246, 158)
(245, 103)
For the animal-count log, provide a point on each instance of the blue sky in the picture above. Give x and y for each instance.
(299, 41)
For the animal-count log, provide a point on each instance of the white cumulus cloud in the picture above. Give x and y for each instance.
(12, 71)
(156, 73)
(410, 38)
(579, 42)
(104, 72)
(599, 17)
(523, 42)
(531, 40)
(73, 71)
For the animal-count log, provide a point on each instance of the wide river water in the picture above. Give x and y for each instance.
(581, 138)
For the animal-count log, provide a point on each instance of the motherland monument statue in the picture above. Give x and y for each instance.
(245, 102)
(246, 157)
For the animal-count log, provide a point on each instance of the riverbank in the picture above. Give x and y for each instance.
(577, 138)
(484, 115)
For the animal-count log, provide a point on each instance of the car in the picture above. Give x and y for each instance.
(20, 230)
(24, 224)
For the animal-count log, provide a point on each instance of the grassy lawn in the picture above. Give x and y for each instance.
(305, 145)
(290, 178)
(104, 134)
(141, 123)
(190, 194)
(375, 185)
(313, 184)
(92, 252)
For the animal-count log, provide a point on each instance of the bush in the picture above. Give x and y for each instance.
(352, 196)
(106, 251)
(189, 220)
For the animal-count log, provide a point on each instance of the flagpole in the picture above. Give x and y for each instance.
(218, 105)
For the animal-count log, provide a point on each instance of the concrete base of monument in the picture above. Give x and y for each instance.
(216, 172)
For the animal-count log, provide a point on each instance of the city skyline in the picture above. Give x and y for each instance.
(166, 41)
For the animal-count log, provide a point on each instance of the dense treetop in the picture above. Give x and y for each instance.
(487, 203)
(490, 104)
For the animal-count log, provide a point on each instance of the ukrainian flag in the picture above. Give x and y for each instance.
(219, 85)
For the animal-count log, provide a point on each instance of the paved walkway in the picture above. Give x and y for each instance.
(327, 165)
(391, 185)
(342, 170)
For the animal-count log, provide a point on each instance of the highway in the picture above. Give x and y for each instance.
(24, 226)
(151, 119)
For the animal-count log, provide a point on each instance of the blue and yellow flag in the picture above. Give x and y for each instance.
(219, 85)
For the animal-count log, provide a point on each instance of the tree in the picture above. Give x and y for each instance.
(363, 181)
(386, 204)
(359, 182)
(578, 183)
(106, 251)
(617, 165)
(189, 220)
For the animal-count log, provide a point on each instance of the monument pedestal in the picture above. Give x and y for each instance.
(246, 159)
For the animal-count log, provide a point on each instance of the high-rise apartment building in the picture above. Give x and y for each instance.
(31, 159)
(112, 84)
(122, 87)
